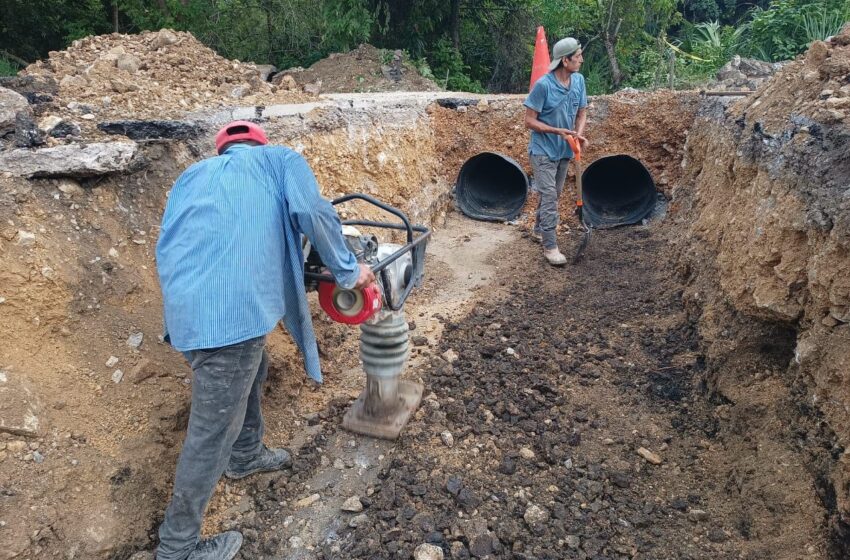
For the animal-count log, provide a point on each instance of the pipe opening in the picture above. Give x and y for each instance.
(617, 190)
(491, 187)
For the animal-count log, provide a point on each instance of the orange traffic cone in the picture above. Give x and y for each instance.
(540, 66)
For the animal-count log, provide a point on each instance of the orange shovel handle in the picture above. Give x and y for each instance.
(575, 146)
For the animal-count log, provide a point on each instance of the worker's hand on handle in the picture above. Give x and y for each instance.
(366, 276)
(566, 133)
(584, 141)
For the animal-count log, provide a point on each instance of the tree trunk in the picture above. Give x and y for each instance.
(610, 50)
(115, 16)
(13, 58)
(454, 23)
(270, 32)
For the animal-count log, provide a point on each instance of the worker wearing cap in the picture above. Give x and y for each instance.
(231, 267)
(554, 110)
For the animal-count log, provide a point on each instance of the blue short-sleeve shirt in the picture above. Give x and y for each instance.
(556, 106)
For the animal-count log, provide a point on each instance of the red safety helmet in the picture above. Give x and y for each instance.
(238, 131)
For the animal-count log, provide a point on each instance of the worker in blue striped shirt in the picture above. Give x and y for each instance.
(230, 267)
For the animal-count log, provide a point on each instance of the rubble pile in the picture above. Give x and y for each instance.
(814, 87)
(365, 69)
(155, 74)
(744, 74)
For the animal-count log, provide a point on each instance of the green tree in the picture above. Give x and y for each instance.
(787, 27)
(29, 29)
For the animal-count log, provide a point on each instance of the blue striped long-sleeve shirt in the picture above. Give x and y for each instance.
(229, 252)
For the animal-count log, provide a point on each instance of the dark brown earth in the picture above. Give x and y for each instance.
(560, 378)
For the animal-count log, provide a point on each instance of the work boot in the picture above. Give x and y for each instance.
(265, 461)
(536, 236)
(223, 546)
(555, 257)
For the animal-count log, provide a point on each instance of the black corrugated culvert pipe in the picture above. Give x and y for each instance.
(491, 187)
(617, 190)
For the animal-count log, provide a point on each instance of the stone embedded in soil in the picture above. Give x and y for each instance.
(352, 505)
(454, 484)
(65, 129)
(717, 535)
(526, 453)
(427, 551)
(507, 466)
(358, 520)
(458, 550)
(24, 238)
(535, 514)
(649, 456)
(48, 123)
(573, 542)
(143, 370)
(450, 356)
(308, 501)
(698, 515)
(16, 446)
(70, 187)
(128, 63)
(19, 407)
(482, 542)
(135, 339)
(620, 480)
(447, 438)
(163, 38)
(117, 376)
(69, 160)
(679, 504)
(111, 361)
(27, 133)
(11, 103)
(468, 499)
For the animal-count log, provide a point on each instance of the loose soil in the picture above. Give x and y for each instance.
(157, 75)
(364, 69)
(560, 378)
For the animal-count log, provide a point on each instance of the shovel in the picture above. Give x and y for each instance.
(575, 145)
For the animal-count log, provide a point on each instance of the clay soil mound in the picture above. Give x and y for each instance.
(814, 87)
(365, 69)
(154, 74)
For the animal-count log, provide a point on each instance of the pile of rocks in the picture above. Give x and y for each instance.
(744, 74)
(154, 74)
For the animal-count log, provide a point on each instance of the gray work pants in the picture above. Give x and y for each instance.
(225, 422)
(549, 178)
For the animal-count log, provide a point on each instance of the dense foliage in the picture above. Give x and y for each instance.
(472, 45)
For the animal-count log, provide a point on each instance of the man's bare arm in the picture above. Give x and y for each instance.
(581, 122)
(535, 124)
(532, 122)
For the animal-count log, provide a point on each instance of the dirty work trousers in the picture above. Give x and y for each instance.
(549, 178)
(225, 422)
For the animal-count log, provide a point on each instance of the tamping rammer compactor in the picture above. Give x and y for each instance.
(387, 402)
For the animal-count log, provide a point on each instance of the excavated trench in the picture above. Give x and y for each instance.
(657, 400)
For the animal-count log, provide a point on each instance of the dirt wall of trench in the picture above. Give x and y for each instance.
(650, 126)
(765, 256)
